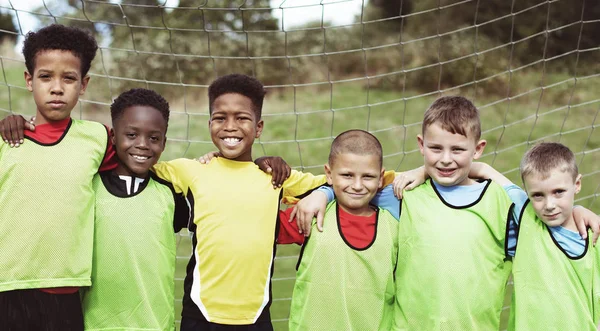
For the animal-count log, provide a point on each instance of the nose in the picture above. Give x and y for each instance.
(141, 142)
(550, 204)
(56, 87)
(229, 125)
(357, 184)
(446, 159)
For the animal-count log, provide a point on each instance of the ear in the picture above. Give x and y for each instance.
(259, 128)
(112, 136)
(479, 149)
(84, 84)
(578, 183)
(328, 174)
(28, 81)
(420, 142)
(381, 178)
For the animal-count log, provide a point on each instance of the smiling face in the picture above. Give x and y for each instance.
(56, 84)
(139, 139)
(448, 156)
(552, 197)
(355, 180)
(233, 126)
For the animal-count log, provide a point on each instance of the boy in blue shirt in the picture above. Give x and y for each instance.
(555, 270)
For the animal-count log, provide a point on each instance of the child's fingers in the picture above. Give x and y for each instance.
(320, 217)
(3, 131)
(29, 126)
(595, 228)
(306, 224)
(293, 214)
(16, 130)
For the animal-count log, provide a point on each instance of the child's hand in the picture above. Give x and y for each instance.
(276, 166)
(585, 218)
(306, 209)
(408, 180)
(12, 128)
(204, 159)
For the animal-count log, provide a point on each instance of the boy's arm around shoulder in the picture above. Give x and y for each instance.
(484, 170)
(179, 172)
(300, 184)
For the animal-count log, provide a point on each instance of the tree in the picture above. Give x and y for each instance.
(7, 26)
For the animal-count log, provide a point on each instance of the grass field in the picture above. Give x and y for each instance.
(300, 123)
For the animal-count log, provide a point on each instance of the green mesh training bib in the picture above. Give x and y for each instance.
(47, 209)
(551, 290)
(451, 272)
(340, 288)
(134, 261)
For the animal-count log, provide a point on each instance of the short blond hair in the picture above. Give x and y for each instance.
(454, 114)
(542, 158)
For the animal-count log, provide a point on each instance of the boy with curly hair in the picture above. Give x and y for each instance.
(46, 194)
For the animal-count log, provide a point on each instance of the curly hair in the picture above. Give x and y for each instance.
(139, 97)
(247, 86)
(59, 37)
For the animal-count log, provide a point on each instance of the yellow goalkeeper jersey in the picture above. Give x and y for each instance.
(235, 213)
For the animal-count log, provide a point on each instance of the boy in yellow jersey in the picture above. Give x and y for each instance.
(556, 273)
(345, 278)
(235, 215)
(46, 194)
(455, 234)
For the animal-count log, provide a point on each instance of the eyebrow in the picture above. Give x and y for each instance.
(51, 71)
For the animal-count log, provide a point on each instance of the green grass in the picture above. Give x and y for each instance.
(304, 120)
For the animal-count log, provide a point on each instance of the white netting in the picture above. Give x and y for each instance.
(531, 66)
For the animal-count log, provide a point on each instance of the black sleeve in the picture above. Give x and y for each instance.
(184, 211)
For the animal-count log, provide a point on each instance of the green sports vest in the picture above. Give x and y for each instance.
(134, 261)
(451, 272)
(551, 290)
(341, 288)
(47, 209)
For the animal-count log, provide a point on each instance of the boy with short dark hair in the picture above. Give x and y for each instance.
(555, 272)
(235, 208)
(133, 275)
(345, 278)
(46, 196)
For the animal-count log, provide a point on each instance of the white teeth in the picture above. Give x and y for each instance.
(231, 141)
(139, 157)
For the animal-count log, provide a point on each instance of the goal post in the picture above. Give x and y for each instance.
(532, 67)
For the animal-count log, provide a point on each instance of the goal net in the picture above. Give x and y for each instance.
(532, 67)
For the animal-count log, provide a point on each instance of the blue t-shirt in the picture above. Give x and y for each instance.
(461, 195)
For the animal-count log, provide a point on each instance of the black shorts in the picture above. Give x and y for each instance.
(191, 324)
(28, 310)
